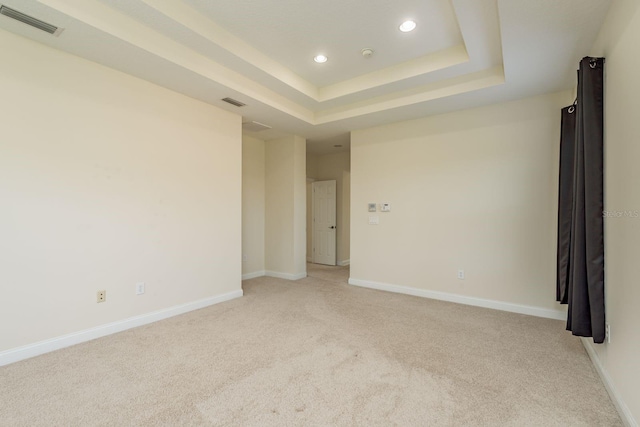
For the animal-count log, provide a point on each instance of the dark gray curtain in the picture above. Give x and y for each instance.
(580, 281)
(565, 199)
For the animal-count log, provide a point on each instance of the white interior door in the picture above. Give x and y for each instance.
(324, 222)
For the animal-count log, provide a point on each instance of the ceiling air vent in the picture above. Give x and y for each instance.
(234, 102)
(30, 20)
(255, 126)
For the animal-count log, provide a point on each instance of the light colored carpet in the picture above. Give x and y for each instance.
(317, 352)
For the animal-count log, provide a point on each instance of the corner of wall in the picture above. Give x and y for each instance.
(253, 205)
(285, 223)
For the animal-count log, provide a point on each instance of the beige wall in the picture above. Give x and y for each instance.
(105, 181)
(309, 225)
(312, 171)
(300, 207)
(344, 245)
(336, 167)
(312, 165)
(285, 208)
(253, 206)
(473, 190)
(618, 42)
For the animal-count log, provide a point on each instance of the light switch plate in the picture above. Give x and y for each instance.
(372, 207)
(140, 288)
(385, 207)
(374, 220)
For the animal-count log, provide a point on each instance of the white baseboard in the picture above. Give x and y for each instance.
(623, 409)
(461, 299)
(286, 276)
(345, 262)
(46, 346)
(253, 275)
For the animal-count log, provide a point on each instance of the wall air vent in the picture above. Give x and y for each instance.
(30, 20)
(234, 102)
(255, 126)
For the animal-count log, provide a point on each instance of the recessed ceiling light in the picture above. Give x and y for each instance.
(407, 26)
(320, 59)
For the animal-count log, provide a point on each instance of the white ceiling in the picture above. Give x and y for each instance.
(464, 53)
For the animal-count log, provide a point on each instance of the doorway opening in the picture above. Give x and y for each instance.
(326, 245)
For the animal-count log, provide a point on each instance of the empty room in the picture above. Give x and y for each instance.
(319, 213)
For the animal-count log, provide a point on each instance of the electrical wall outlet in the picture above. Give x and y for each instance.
(608, 333)
(140, 288)
(461, 274)
(244, 258)
(101, 296)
